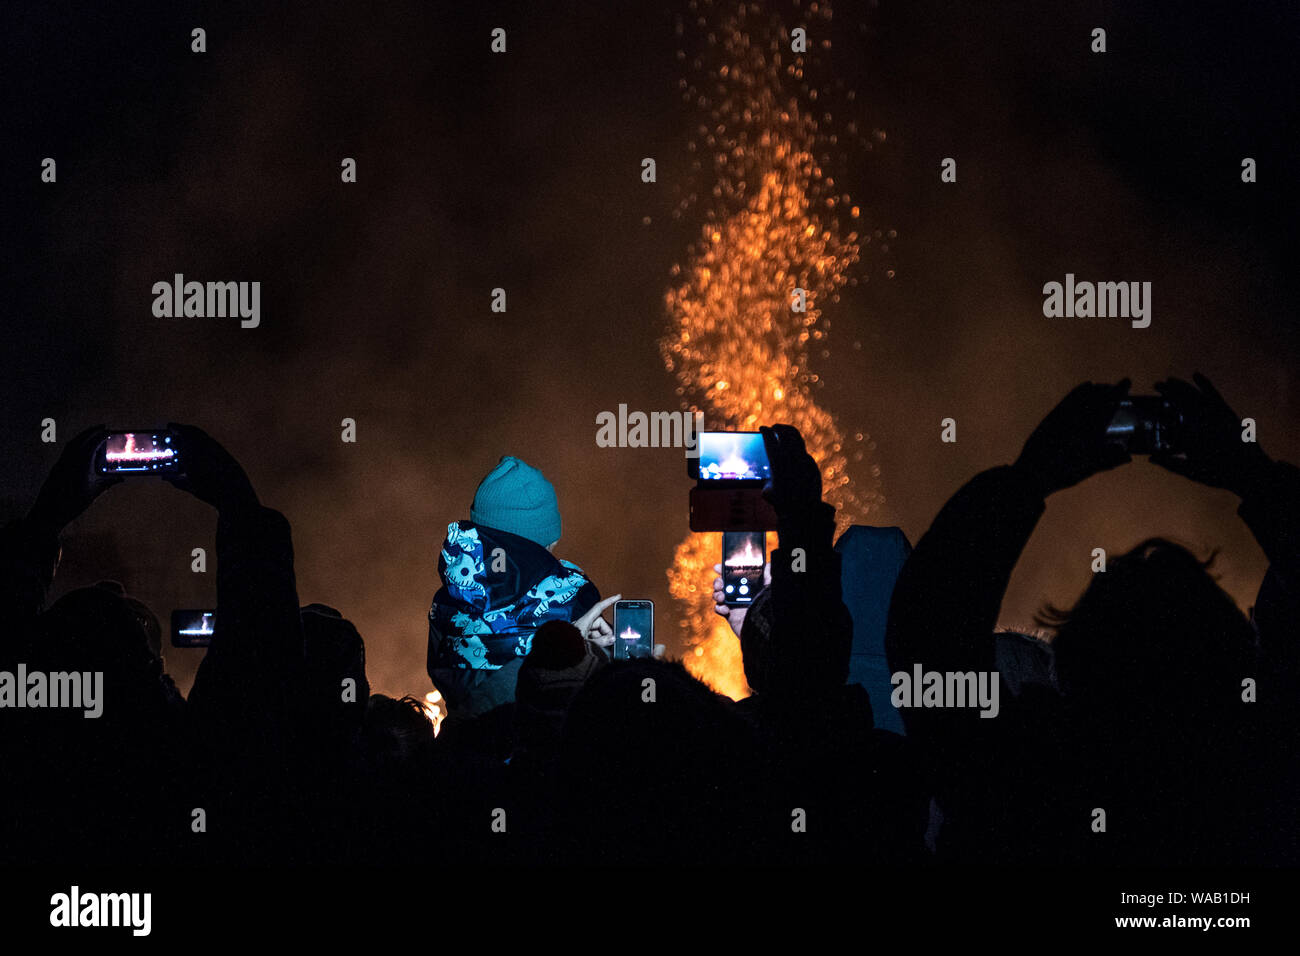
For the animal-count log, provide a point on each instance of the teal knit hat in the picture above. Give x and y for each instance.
(517, 498)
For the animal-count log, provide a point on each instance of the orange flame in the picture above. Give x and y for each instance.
(435, 708)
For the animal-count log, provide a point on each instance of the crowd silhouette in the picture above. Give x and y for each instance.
(1156, 726)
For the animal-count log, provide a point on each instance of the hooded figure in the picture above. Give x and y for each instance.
(872, 559)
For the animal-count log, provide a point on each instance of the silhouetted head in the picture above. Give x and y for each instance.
(560, 662)
(653, 763)
(1153, 632)
(395, 730)
(143, 613)
(335, 653)
(96, 630)
(99, 770)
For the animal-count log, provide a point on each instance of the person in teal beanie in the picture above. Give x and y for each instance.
(500, 583)
(517, 498)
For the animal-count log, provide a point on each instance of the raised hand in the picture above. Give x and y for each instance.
(1210, 449)
(210, 473)
(594, 627)
(72, 484)
(796, 482)
(735, 616)
(1070, 444)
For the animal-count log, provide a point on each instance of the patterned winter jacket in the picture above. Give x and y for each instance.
(497, 589)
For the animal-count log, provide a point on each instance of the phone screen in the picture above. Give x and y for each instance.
(138, 453)
(743, 555)
(1143, 424)
(730, 456)
(193, 628)
(634, 629)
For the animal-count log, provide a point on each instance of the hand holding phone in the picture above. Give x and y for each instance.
(744, 556)
(1071, 444)
(1210, 448)
(593, 626)
(211, 473)
(72, 483)
(796, 481)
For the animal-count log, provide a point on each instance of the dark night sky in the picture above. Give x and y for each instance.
(522, 171)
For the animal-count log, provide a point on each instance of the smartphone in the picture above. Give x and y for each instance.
(193, 628)
(730, 506)
(744, 553)
(730, 457)
(139, 453)
(1144, 424)
(634, 629)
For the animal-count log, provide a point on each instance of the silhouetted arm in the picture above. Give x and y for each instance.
(812, 631)
(1271, 509)
(947, 597)
(945, 604)
(804, 659)
(256, 655)
(253, 668)
(946, 601)
(29, 547)
(28, 556)
(1211, 452)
